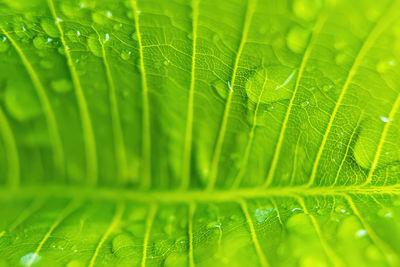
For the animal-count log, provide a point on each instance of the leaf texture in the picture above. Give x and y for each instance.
(199, 133)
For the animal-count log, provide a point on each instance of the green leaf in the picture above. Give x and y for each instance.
(199, 133)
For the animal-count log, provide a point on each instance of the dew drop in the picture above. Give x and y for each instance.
(190, 36)
(221, 88)
(4, 44)
(373, 253)
(117, 27)
(99, 17)
(326, 88)
(215, 38)
(386, 213)
(361, 233)
(139, 64)
(305, 104)
(61, 86)
(340, 58)
(297, 39)
(50, 27)
(46, 63)
(94, 45)
(73, 36)
(109, 14)
(262, 214)
(125, 54)
(106, 38)
(339, 44)
(121, 244)
(385, 119)
(134, 36)
(306, 9)
(39, 42)
(166, 62)
(21, 101)
(29, 259)
(385, 65)
(214, 225)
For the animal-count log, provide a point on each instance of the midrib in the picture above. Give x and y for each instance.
(190, 195)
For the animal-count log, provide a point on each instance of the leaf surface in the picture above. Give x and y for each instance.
(199, 133)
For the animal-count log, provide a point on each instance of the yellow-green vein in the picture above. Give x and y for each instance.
(231, 85)
(336, 261)
(146, 133)
(386, 249)
(242, 170)
(88, 135)
(48, 110)
(32, 208)
(11, 150)
(378, 152)
(187, 150)
(73, 205)
(192, 210)
(315, 33)
(148, 225)
(260, 253)
(368, 42)
(347, 149)
(119, 211)
(119, 147)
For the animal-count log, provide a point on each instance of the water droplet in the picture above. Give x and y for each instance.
(125, 54)
(100, 17)
(215, 38)
(306, 9)
(297, 39)
(40, 42)
(46, 63)
(386, 213)
(21, 101)
(385, 65)
(73, 36)
(262, 214)
(61, 86)
(326, 88)
(121, 244)
(305, 104)
(69, 8)
(340, 58)
(385, 119)
(230, 87)
(50, 27)
(221, 88)
(139, 64)
(166, 62)
(94, 45)
(190, 36)
(373, 253)
(29, 259)
(4, 44)
(214, 225)
(299, 224)
(340, 209)
(134, 36)
(117, 27)
(297, 210)
(361, 233)
(109, 14)
(339, 44)
(106, 38)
